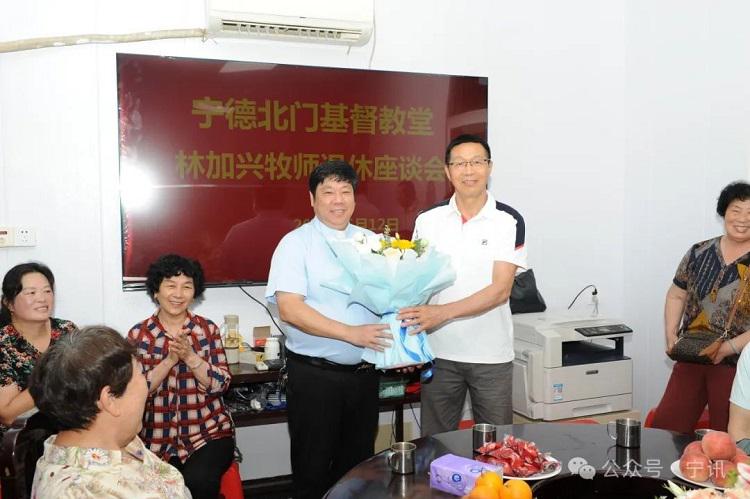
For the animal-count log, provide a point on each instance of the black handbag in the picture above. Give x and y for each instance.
(689, 346)
(524, 295)
(701, 346)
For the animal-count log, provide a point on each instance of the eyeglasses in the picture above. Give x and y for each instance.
(476, 163)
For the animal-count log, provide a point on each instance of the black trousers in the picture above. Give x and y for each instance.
(203, 469)
(333, 420)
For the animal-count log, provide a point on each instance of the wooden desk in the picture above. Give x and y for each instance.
(246, 374)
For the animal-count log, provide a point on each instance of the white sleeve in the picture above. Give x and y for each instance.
(740, 395)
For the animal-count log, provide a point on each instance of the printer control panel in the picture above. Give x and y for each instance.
(604, 330)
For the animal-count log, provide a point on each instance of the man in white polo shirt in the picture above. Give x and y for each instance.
(470, 326)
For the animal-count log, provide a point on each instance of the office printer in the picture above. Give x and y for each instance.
(568, 367)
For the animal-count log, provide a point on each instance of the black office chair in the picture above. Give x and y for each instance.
(22, 446)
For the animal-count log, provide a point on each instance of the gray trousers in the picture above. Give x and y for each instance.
(490, 387)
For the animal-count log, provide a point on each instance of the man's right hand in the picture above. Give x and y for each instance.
(373, 336)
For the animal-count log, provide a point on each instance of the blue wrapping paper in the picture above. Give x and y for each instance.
(384, 285)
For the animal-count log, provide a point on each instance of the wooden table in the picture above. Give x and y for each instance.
(372, 479)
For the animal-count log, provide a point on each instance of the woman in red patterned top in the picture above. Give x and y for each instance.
(26, 331)
(185, 421)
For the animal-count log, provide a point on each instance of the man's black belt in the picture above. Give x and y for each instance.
(329, 365)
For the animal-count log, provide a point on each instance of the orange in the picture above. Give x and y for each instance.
(490, 479)
(483, 492)
(515, 489)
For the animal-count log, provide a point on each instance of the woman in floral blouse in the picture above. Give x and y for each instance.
(91, 385)
(710, 281)
(26, 331)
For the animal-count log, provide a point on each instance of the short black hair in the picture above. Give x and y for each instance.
(173, 265)
(12, 285)
(341, 171)
(67, 381)
(466, 139)
(736, 191)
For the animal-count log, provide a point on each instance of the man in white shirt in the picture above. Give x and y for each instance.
(739, 403)
(470, 326)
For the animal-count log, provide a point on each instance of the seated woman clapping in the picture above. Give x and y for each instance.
(185, 421)
(90, 383)
(26, 330)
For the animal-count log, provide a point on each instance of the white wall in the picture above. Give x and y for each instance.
(686, 100)
(613, 126)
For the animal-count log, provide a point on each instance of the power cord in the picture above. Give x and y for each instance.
(594, 297)
(393, 428)
(262, 305)
(416, 419)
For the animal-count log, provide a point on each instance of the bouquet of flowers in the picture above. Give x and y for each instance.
(385, 273)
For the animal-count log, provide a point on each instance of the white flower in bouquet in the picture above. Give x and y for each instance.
(392, 254)
(373, 243)
(366, 244)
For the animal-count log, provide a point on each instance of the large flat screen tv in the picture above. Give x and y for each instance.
(215, 155)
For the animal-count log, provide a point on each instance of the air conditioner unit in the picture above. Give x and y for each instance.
(348, 22)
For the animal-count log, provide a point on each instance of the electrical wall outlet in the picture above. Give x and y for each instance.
(25, 236)
(6, 237)
(17, 236)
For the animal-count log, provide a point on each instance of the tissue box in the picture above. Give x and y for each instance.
(456, 475)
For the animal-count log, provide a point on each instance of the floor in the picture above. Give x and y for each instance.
(279, 487)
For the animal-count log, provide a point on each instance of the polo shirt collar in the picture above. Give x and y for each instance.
(485, 212)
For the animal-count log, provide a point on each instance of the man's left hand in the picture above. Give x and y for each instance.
(424, 317)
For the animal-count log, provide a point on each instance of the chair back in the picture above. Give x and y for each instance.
(22, 446)
(231, 483)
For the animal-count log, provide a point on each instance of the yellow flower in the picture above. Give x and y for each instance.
(402, 244)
